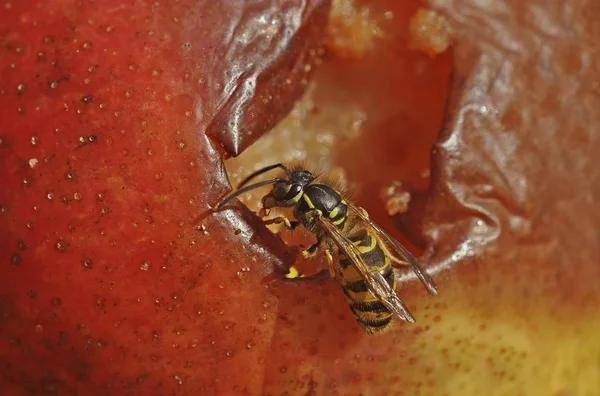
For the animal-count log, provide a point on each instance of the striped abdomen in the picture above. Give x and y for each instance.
(370, 313)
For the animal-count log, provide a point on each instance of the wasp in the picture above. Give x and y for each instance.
(365, 259)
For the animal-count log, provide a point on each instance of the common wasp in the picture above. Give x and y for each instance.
(364, 265)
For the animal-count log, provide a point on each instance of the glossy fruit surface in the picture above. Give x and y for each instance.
(110, 285)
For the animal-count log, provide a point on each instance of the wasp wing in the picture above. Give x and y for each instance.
(423, 276)
(376, 283)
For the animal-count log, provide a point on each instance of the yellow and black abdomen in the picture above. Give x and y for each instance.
(370, 313)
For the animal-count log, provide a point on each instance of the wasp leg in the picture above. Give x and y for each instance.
(295, 276)
(282, 219)
(334, 270)
(397, 260)
(263, 212)
(364, 212)
(293, 273)
(311, 251)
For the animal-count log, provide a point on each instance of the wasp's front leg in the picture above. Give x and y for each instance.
(268, 202)
(282, 219)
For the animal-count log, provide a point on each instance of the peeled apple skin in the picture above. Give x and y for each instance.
(110, 286)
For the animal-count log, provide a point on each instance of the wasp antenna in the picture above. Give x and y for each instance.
(263, 170)
(248, 188)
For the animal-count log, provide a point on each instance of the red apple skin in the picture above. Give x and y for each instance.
(109, 286)
(114, 289)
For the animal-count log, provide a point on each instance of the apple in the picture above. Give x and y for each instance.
(117, 279)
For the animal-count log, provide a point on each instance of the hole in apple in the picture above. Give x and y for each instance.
(370, 116)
